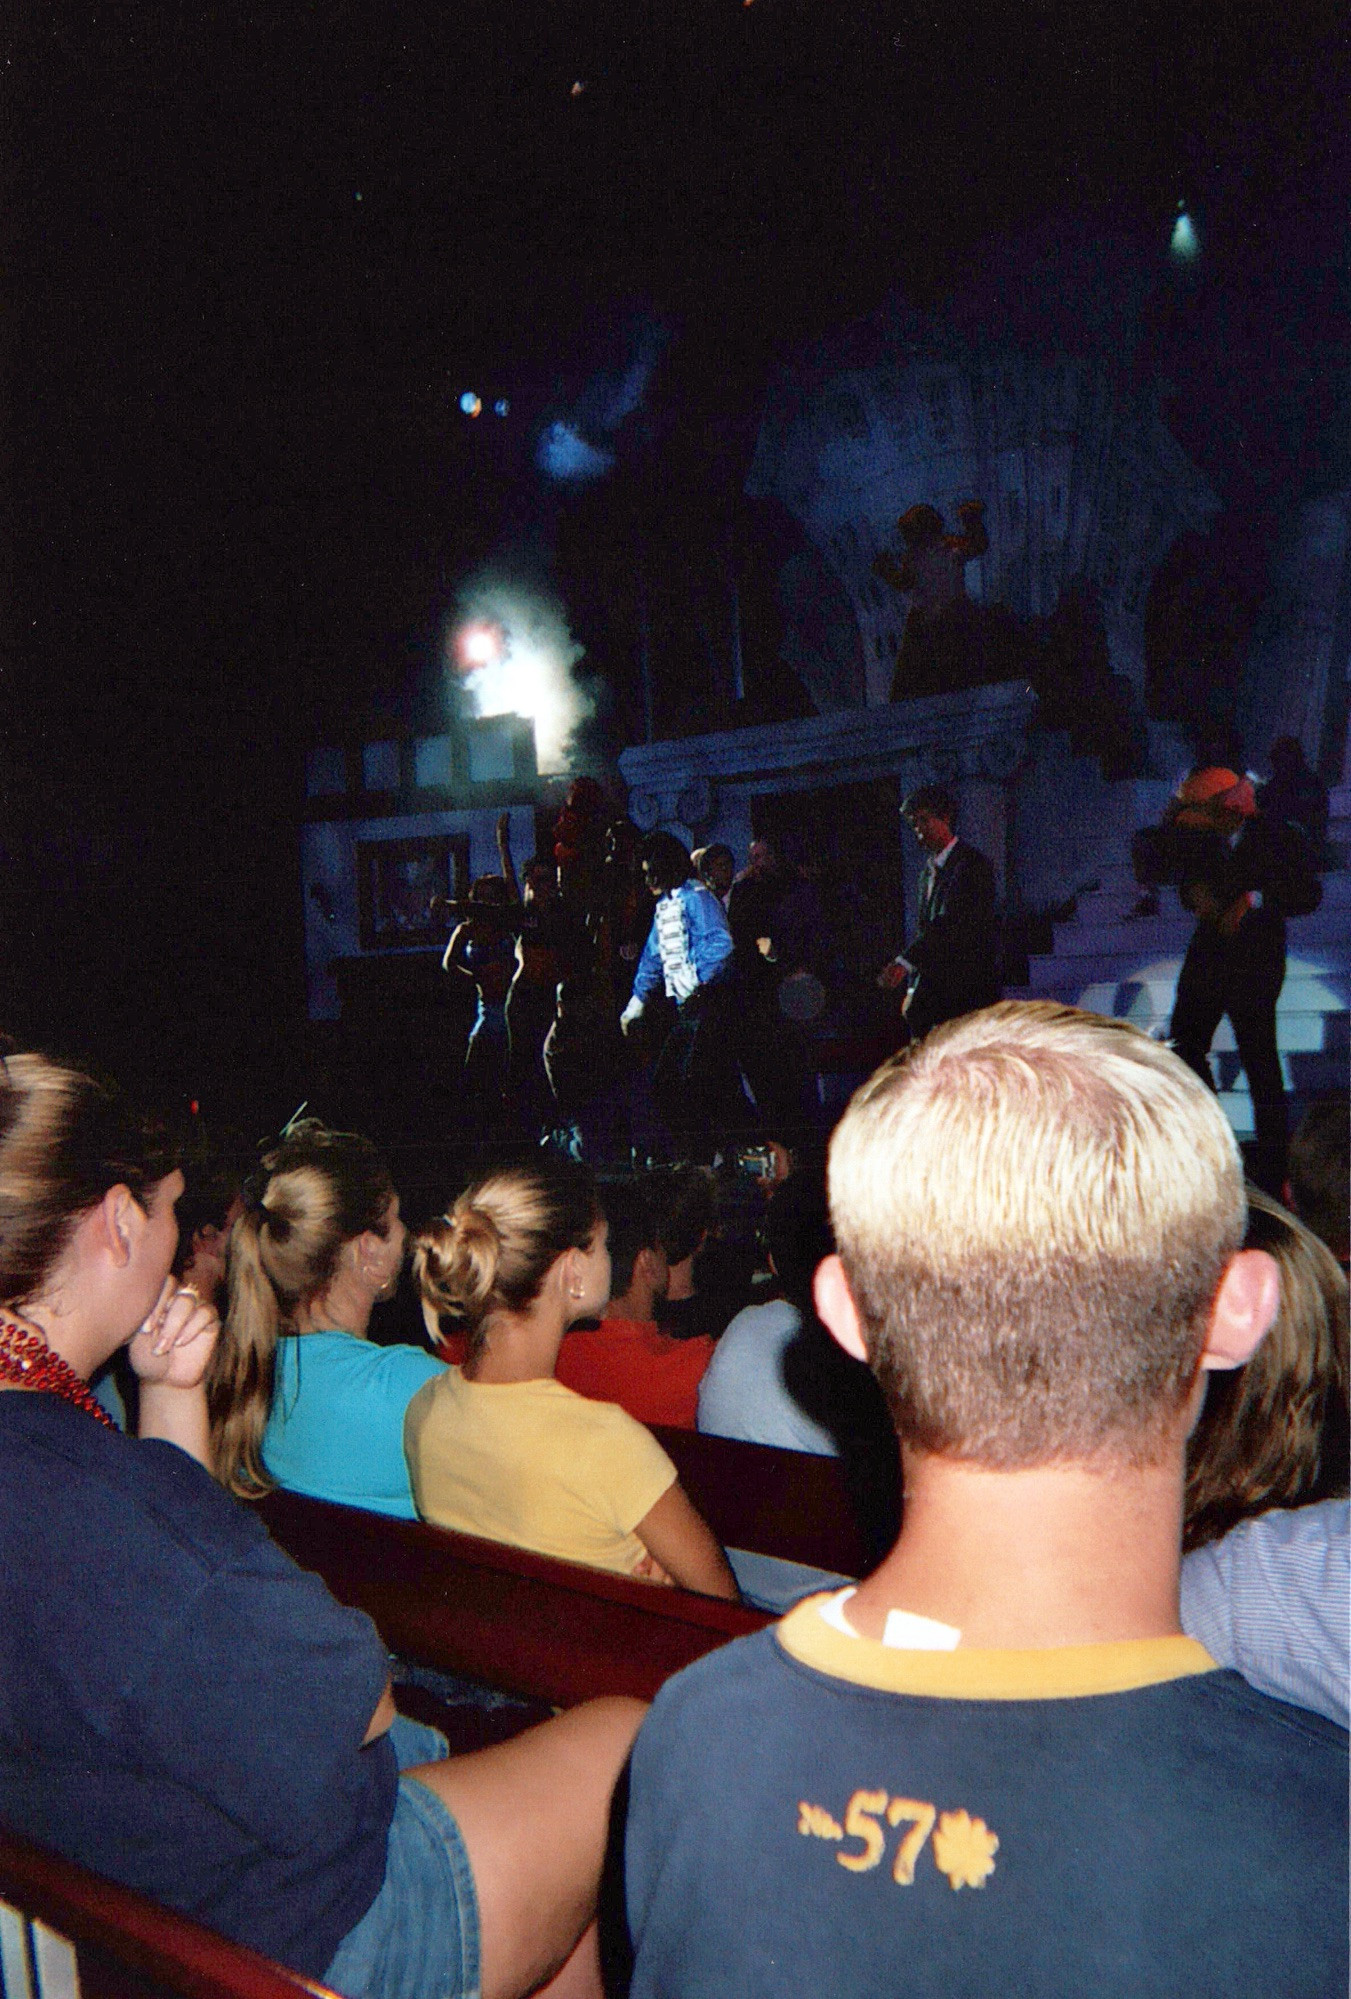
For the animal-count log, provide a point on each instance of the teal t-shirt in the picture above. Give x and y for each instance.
(336, 1427)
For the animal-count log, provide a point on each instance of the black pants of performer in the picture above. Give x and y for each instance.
(771, 1054)
(1240, 976)
(530, 1015)
(695, 1080)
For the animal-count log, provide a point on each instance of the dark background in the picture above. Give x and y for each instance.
(253, 255)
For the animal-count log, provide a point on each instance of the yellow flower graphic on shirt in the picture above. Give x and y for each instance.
(964, 1849)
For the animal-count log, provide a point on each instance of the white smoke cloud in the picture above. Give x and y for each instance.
(532, 672)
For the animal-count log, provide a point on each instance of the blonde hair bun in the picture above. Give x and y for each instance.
(492, 1252)
(456, 1258)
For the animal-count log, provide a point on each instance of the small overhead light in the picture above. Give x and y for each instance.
(470, 403)
(501, 407)
(1184, 244)
(577, 89)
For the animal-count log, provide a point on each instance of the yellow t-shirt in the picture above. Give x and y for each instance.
(533, 1464)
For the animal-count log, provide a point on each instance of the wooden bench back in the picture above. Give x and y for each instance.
(548, 1630)
(786, 1503)
(68, 1934)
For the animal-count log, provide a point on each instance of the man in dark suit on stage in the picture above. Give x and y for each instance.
(952, 964)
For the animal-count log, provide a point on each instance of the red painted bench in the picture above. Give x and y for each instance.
(68, 1934)
(785, 1503)
(547, 1630)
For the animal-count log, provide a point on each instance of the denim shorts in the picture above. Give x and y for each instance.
(419, 1939)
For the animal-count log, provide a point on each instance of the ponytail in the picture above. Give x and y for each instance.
(316, 1191)
(240, 1379)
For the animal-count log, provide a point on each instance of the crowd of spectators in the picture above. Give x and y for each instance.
(1025, 1299)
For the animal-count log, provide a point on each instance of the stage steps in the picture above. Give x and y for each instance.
(1125, 966)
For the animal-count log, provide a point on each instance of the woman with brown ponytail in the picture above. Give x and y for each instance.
(184, 1709)
(299, 1396)
(500, 1448)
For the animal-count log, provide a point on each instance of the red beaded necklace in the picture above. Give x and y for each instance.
(28, 1362)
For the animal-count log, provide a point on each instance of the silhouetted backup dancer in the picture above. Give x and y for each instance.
(952, 963)
(1238, 873)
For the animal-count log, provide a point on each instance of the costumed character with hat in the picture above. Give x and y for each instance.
(1240, 875)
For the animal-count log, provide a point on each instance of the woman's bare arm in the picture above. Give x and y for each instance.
(677, 1536)
(504, 856)
(452, 962)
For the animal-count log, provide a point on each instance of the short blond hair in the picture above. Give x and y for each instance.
(1034, 1207)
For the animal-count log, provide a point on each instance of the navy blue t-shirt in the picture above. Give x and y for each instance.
(181, 1707)
(817, 1814)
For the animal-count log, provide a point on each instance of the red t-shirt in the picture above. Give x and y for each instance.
(629, 1361)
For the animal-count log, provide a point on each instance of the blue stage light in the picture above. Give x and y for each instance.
(501, 406)
(470, 403)
(1184, 245)
(567, 457)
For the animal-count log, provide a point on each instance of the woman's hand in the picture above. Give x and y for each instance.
(647, 1569)
(172, 1348)
(682, 1549)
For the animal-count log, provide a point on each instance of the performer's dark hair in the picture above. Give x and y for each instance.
(667, 860)
(935, 798)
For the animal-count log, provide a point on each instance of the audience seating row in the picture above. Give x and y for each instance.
(547, 1630)
(786, 1503)
(554, 1631)
(68, 1934)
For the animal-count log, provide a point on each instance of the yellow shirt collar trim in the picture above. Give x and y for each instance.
(1056, 1673)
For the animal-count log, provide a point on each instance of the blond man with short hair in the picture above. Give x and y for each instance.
(998, 1765)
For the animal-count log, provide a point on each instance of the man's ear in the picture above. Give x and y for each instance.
(1243, 1309)
(837, 1310)
(118, 1219)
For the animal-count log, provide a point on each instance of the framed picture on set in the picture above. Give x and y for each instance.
(398, 884)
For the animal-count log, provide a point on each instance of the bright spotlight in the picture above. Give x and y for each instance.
(1184, 245)
(478, 645)
(470, 403)
(513, 655)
